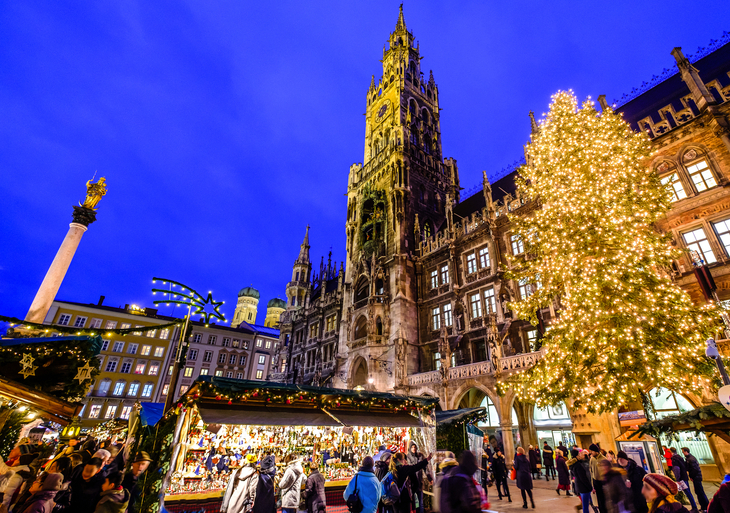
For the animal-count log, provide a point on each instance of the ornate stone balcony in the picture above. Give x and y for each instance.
(507, 364)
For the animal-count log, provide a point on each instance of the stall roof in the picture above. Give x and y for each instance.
(447, 417)
(243, 385)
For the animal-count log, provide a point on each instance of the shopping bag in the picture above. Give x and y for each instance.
(513, 474)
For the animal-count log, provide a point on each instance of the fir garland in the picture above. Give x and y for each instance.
(78, 331)
(11, 429)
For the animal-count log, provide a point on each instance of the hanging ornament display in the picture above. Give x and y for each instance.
(84, 373)
(26, 366)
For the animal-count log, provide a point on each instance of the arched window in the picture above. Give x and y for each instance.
(427, 230)
(361, 328)
(379, 286)
(669, 176)
(362, 291)
(147, 389)
(133, 389)
(699, 170)
(426, 116)
(104, 386)
(492, 416)
(119, 387)
(378, 326)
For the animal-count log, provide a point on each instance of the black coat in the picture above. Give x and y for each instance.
(316, 500)
(85, 494)
(403, 474)
(677, 461)
(499, 467)
(265, 501)
(381, 469)
(563, 472)
(635, 474)
(523, 471)
(547, 456)
(693, 468)
(582, 473)
(534, 459)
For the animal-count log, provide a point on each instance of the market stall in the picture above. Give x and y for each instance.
(222, 421)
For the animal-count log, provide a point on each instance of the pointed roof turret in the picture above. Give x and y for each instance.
(304, 249)
(534, 127)
(401, 24)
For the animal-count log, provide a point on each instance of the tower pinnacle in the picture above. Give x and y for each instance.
(304, 249)
(401, 24)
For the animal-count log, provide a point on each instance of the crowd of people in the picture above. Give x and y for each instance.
(82, 476)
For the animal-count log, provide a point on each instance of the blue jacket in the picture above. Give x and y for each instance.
(369, 490)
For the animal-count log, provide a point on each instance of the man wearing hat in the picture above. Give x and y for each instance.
(659, 491)
(140, 464)
(597, 476)
(635, 475)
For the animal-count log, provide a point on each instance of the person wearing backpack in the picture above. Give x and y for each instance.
(396, 492)
(365, 487)
(459, 492)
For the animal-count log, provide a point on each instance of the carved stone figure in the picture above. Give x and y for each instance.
(94, 193)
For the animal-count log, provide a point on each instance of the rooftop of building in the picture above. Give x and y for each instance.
(249, 292)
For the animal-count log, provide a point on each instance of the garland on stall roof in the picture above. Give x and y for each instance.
(302, 397)
(78, 331)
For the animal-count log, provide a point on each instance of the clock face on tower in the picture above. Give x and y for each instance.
(382, 111)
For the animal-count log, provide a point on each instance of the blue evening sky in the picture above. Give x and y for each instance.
(224, 127)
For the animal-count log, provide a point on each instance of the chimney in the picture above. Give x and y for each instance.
(101, 301)
(604, 104)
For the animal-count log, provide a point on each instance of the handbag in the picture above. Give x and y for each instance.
(513, 474)
(354, 504)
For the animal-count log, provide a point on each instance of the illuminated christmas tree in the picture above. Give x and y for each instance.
(591, 251)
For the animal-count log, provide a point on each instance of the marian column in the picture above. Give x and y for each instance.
(83, 216)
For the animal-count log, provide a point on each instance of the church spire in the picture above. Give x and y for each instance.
(401, 24)
(304, 249)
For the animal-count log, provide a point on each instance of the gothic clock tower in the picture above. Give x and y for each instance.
(398, 196)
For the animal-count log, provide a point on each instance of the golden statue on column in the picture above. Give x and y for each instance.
(94, 193)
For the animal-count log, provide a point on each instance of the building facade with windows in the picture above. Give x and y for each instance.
(131, 365)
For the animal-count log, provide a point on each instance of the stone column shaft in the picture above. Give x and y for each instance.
(54, 277)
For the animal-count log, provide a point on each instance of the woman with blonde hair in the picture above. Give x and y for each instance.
(399, 474)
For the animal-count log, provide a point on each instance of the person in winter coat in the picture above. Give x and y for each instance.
(265, 501)
(596, 476)
(635, 477)
(618, 495)
(291, 486)
(401, 472)
(14, 475)
(447, 465)
(695, 474)
(383, 466)
(548, 461)
(720, 502)
(113, 498)
(86, 487)
(314, 490)
(499, 467)
(534, 457)
(563, 473)
(680, 473)
(563, 449)
(43, 491)
(524, 477)
(659, 491)
(414, 457)
(367, 485)
(141, 463)
(581, 470)
(241, 489)
(668, 457)
(459, 492)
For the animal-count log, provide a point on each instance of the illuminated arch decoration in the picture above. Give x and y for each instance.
(188, 296)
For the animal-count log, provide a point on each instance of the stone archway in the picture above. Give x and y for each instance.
(359, 373)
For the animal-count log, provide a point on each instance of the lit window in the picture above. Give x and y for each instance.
(151, 333)
(126, 366)
(674, 186)
(192, 354)
(236, 342)
(212, 339)
(219, 373)
(262, 359)
(525, 289)
(434, 278)
(147, 389)
(80, 322)
(183, 389)
(208, 356)
(64, 319)
(245, 344)
(188, 372)
(489, 303)
(146, 350)
(517, 246)
(95, 323)
(119, 387)
(444, 274)
(471, 263)
(125, 326)
(436, 318)
(139, 369)
(154, 369)
(118, 347)
(222, 358)
(484, 261)
(259, 374)
(203, 371)
(111, 366)
(232, 360)
(133, 389)
(105, 345)
(126, 411)
(111, 325)
(197, 338)
(104, 386)
(229, 374)
(164, 334)
(268, 344)
(532, 339)
(132, 348)
(476, 306)
(723, 232)
(94, 411)
(701, 176)
(313, 329)
(159, 352)
(259, 343)
(447, 314)
(165, 388)
(331, 322)
(169, 372)
(138, 333)
(697, 241)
